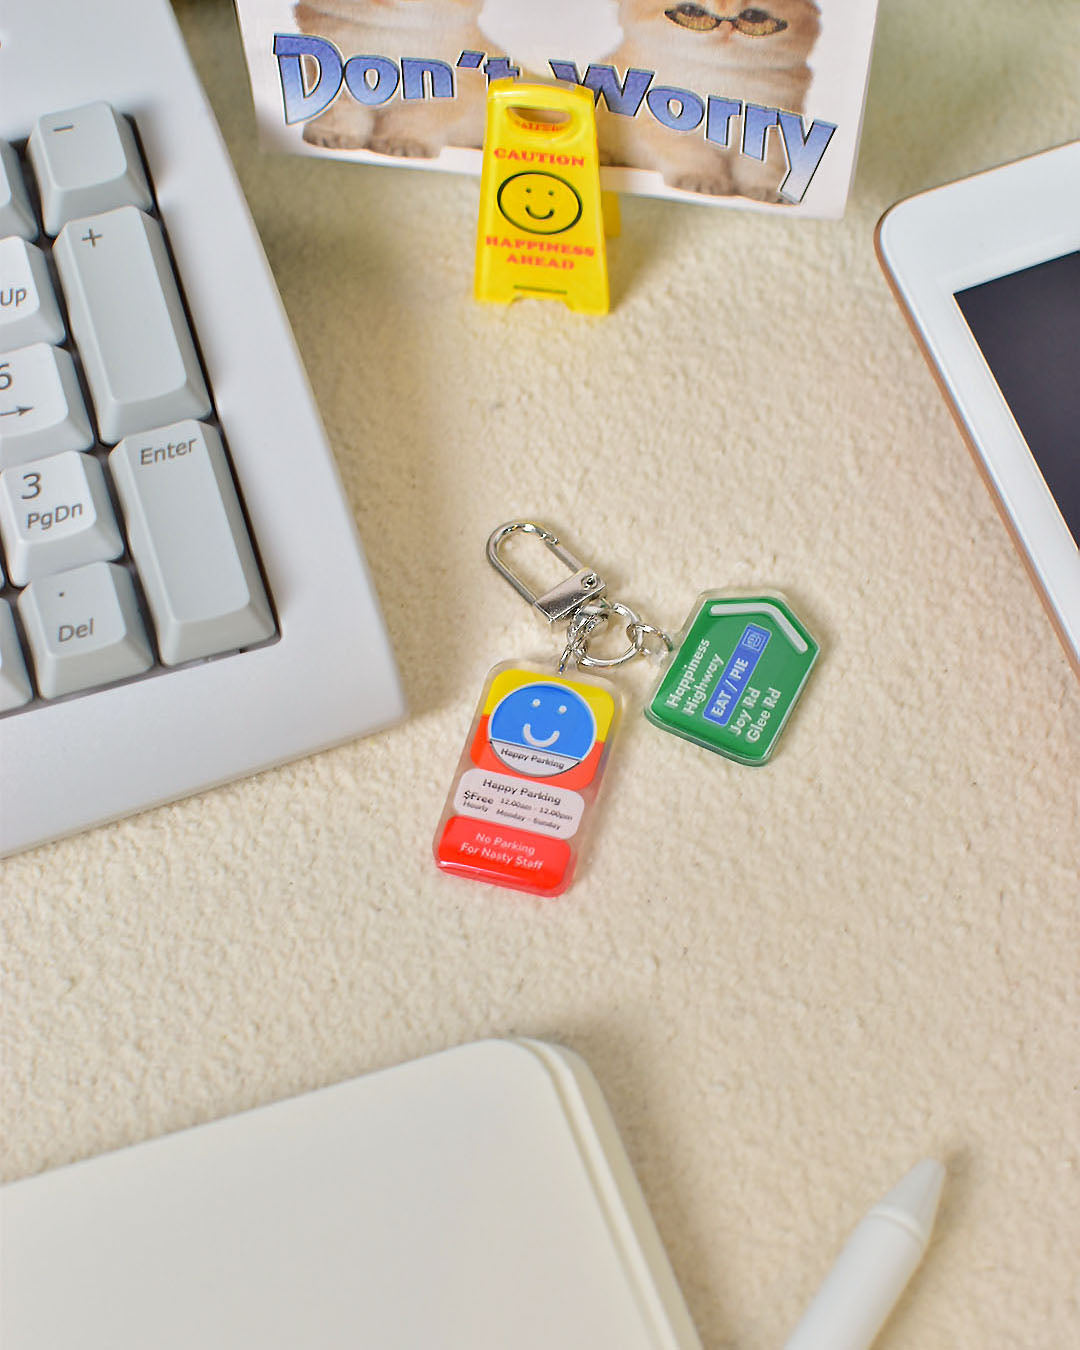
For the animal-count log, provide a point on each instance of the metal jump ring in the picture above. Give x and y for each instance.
(577, 634)
(591, 615)
(645, 628)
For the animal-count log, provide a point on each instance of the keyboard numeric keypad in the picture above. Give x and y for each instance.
(112, 564)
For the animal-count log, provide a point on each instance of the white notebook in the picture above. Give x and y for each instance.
(478, 1199)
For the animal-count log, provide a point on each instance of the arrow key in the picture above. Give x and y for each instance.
(41, 405)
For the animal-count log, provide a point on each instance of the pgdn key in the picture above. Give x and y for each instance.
(129, 322)
(189, 542)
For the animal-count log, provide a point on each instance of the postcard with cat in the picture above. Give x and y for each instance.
(756, 106)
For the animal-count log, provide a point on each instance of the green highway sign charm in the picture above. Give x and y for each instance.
(737, 671)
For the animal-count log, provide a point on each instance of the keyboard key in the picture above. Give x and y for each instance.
(16, 213)
(129, 323)
(28, 309)
(55, 514)
(41, 405)
(189, 542)
(85, 161)
(84, 629)
(14, 682)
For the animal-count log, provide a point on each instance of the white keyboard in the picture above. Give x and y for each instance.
(184, 599)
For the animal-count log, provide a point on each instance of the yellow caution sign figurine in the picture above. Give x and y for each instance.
(541, 229)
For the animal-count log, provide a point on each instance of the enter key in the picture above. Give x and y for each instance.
(189, 542)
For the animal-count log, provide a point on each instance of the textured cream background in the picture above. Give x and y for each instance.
(791, 983)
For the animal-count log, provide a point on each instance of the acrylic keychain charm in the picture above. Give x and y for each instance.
(520, 805)
(526, 784)
(738, 668)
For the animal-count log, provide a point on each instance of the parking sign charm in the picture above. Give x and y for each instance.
(522, 799)
(527, 780)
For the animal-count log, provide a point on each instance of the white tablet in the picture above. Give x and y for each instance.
(988, 271)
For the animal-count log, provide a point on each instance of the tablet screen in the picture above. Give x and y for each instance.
(1028, 326)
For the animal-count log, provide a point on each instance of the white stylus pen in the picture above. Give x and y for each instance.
(875, 1265)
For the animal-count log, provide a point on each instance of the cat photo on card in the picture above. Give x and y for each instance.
(415, 29)
(761, 52)
(756, 105)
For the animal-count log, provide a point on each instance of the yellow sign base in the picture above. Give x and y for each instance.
(542, 214)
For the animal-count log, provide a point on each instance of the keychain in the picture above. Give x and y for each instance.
(522, 799)
(526, 784)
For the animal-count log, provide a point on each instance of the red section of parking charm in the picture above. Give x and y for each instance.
(505, 856)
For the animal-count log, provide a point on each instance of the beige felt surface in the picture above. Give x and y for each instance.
(792, 982)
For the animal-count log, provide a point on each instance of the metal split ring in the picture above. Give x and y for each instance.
(586, 619)
(666, 641)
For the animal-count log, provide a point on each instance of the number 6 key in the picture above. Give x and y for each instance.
(41, 406)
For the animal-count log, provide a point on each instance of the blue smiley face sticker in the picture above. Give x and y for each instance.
(542, 729)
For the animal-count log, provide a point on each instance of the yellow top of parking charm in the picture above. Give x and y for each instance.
(541, 230)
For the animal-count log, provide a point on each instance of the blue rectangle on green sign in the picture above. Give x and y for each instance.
(736, 674)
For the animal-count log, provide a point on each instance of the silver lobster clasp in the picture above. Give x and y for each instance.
(582, 586)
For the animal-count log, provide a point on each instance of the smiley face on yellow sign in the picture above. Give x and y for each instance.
(539, 203)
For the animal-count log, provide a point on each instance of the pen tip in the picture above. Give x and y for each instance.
(916, 1195)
